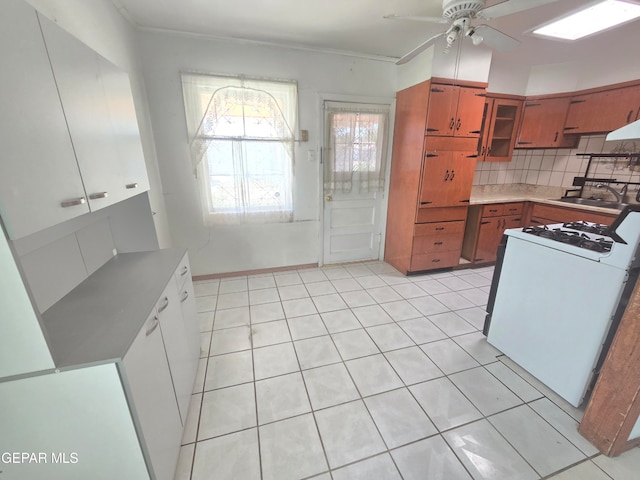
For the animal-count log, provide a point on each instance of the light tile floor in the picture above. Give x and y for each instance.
(358, 372)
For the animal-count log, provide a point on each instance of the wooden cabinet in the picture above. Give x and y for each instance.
(447, 177)
(432, 174)
(543, 121)
(499, 129)
(68, 127)
(485, 226)
(544, 214)
(603, 111)
(455, 111)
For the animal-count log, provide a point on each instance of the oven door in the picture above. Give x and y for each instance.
(551, 313)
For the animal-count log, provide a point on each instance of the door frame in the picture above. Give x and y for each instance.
(336, 97)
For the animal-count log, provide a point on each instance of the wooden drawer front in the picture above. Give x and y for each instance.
(492, 210)
(439, 228)
(445, 214)
(437, 243)
(551, 214)
(430, 261)
(512, 208)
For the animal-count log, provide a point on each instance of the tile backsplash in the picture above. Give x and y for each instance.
(556, 167)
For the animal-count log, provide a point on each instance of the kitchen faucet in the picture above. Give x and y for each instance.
(618, 194)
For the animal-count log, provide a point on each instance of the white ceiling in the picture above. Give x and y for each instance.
(358, 26)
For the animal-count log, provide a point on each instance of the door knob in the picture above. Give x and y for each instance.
(328, 198)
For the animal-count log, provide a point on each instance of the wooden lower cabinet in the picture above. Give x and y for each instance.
(485, 226)
(543, 214)
(437, 243)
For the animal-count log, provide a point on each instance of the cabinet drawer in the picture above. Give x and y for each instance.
(439, 228)
(437, 243)
(492, 210)
(512, 208)
(430, 261)
(446, 214)
(183, 272)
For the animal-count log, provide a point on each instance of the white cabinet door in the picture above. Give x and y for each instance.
(124, 125)
(147, 375)
(38, 169)
(77, 422)
(178, 347)
(192, 331)
(78, 74)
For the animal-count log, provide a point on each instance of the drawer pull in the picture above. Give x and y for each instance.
(165, 304)
(493, 210)
(185, 295)
(73, 203)
(184, 271)
(152, 329)
(425, 203)
(99, 195)
(439, 229)
(437, 243)
(435, 260)
(129, 186)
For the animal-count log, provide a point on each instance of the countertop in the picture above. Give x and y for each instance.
(99, 319)
(521, 192)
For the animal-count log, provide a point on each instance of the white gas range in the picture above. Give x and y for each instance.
(557, 295)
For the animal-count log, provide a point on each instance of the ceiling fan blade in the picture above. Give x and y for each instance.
(496, 39)
(416, 18)
(419, 49)
(508, 7)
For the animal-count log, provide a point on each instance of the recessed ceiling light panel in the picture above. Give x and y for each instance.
(590, 20)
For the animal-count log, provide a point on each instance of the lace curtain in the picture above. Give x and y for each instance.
(241, 139)
(355, 159)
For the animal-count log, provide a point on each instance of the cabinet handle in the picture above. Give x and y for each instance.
(439, 229)
(156, 322)
(446, 177)
(164, 305)
(435, 260)
(452, 123)
(555, 139)
(430, 155)
(73, 203)
(489, 152)
(129, 186)
(185, 295)
(493, 210)
(96, 196)
(629, 116)
(425, 203)
(459, 124)
(437, 243)
(482, 151)
(453, 174)
(184, 271)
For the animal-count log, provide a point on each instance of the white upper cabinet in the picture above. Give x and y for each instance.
(69, 133)
(98, 105)
(38, 169)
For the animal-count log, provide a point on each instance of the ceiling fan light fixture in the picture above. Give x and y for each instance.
(590, 20)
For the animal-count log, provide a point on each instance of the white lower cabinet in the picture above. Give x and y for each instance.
(148, 378)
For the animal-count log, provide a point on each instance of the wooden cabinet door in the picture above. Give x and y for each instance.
(502, 130)
(441, 113)
(543, 123)
(447, 178)
(38, 170)
(489, 235)
(603, 111)
(468, 122)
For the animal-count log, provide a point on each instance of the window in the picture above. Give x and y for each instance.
(357, 144)
(241, 134)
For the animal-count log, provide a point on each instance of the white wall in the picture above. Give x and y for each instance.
(100, 25)
(247, 247)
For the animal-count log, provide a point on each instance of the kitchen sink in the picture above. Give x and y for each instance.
(593, 202)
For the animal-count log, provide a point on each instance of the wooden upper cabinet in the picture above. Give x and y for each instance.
(543, 122)
(603, 111)
(455, 111)
(447, 177)
(499, 129)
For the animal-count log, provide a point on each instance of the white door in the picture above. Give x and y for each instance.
(354, 160)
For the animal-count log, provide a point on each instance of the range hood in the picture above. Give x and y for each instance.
(628, 132)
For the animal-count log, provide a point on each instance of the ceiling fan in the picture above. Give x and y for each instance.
(459, 15)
